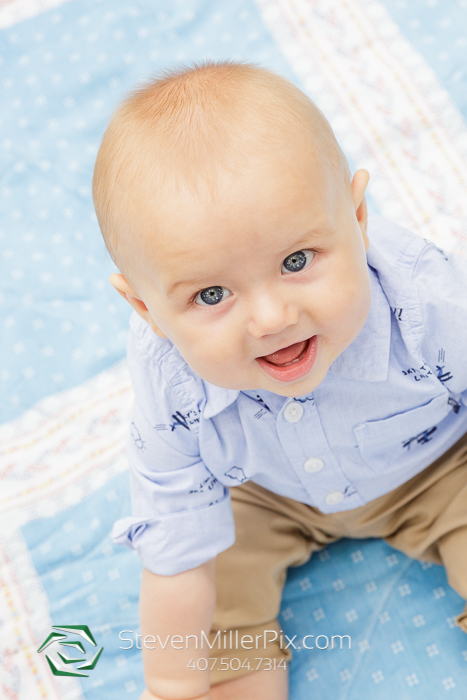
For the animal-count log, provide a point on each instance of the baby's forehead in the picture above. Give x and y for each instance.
(186, 234)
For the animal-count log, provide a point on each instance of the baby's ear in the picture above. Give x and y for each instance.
(359, 185)
(118, 281)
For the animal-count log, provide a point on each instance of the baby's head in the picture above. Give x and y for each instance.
(227, 204)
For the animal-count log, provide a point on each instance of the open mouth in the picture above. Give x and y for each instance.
(290, 363)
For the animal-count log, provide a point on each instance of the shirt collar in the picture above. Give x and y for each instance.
(365, 359)
(217, 399)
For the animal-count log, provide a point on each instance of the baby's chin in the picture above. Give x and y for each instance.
(290, 390)
(293, 390)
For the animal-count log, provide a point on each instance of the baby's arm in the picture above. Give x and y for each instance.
(182, 604)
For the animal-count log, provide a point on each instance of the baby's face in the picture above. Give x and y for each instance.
(278, 260)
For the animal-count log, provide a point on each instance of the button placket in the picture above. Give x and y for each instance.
(320, 473)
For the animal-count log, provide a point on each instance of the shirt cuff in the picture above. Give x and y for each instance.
(170, 544)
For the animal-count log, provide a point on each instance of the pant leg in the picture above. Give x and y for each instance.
(453, 551)
(432, 526)
(272, 533)
(425, 518)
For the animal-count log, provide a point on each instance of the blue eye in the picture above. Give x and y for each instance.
(212, 296)
(297, 261)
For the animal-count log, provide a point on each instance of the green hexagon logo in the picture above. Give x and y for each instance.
(59, 645)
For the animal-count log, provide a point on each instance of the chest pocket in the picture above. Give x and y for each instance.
(399, 442)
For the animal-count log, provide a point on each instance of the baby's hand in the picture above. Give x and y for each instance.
(149, 696)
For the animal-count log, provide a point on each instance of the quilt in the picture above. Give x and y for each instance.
(391, 77)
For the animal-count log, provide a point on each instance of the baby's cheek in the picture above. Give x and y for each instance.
(338, 310)
(210, 348)
(332, 308)
(219, 371)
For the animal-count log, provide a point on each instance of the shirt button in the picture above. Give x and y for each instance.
(293, 412)
(313, 464)
(334, 497)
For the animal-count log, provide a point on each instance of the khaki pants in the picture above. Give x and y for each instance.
(426, 518)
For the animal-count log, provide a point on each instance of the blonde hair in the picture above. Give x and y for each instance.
(190, 125)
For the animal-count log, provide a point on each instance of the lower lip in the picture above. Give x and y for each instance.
(296, 370)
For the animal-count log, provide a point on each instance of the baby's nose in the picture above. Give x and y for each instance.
(271, 315)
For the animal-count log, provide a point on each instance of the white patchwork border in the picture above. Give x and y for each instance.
(386, 106)
(65, 447)
(25, 624)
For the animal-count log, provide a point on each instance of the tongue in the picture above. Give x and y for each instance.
(281, 357)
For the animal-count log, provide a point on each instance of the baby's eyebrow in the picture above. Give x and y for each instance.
(183, 284)
(315, 233)
(310, 238)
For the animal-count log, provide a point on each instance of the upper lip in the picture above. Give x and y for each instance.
(285, 346)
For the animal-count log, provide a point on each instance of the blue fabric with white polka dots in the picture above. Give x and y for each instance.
(62, 73)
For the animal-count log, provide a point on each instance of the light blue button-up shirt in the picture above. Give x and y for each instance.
(390, 404)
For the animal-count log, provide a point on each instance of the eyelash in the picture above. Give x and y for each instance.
(314, 251)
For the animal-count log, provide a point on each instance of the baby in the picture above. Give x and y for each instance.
(299, 376)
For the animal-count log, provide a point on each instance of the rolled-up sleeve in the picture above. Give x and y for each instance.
(181, 514)
(180, 541)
